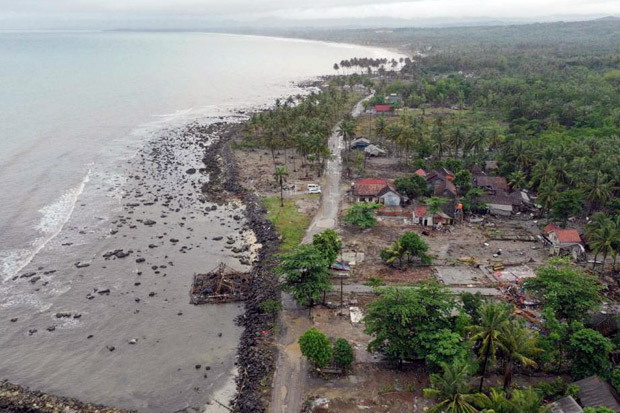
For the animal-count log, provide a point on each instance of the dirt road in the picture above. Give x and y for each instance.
(290, 375)
(327, 215)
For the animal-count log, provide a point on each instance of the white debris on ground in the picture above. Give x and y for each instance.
(356, 315)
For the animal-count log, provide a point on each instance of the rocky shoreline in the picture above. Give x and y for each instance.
(18, 399)
(256, 353)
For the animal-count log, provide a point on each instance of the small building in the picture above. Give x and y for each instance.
(360, 143)
(491, 184)
(384, 109)
(566, 241)
(596, 392)
(393, 99)
(374, 150)
(441, 180)
(422, 216)
(377, 190)
(499, 204)
(491, 166)
(421, 172)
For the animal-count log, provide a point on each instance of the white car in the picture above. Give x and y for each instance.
(313, 189)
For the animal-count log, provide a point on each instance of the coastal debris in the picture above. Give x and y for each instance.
(222, 285)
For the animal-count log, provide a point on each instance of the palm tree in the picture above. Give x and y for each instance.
(517, 180)
(280, 175)
(517, 344)
(451, 390)
(547, 193)
(599, 189)
(381, 126)
(603, 241)
(495, 318)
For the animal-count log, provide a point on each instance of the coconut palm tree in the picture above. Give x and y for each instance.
(451, 390)
(381, 126)
(603, 239)
(599, 189)
(517, 180)
(495, 318)
(517, 345)
(280, 174)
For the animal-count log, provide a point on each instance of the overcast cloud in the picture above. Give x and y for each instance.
(13, 11)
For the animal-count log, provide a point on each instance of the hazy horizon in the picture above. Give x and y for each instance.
(209, 14)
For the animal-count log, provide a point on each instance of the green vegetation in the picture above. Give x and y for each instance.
(306, 274)
(316, 347)
(300, 126)
(271, 306)
(328, 242)
(362, 215)
(409, 246)
(343, 353)
(565, 289)
(289, 222)
(407, 323)
(413, 186)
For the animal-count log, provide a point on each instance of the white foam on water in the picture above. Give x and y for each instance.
(55, 216)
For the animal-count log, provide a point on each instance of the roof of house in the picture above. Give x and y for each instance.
(497, 183)
(498, 198)
(422, 211)
(565, 405)
(566, 236)
(549, 227)
(421, 172)
(443, 186)
(360, 140)
(383, 108)
(595, 392)
(373, 187)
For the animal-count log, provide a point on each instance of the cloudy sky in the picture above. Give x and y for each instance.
(54, 12)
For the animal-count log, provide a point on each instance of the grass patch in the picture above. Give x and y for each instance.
(290, 223)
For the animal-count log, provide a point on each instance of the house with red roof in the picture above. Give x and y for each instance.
(566, 241)
(384, 109)
(380, 191)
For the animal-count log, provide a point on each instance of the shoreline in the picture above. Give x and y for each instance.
(255, 354)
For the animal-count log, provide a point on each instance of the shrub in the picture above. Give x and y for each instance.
(343, 353)
(271, 306)
(316, 347)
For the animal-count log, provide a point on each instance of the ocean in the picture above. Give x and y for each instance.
(92, 143)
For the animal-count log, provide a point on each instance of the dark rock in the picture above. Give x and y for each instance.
(140, 260)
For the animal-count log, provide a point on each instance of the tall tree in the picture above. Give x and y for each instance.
(495, 318)
(280, 175)
(517, 345)
(570, 292)
(306, 274)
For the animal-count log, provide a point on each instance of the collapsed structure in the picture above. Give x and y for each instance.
(221, 285)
